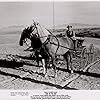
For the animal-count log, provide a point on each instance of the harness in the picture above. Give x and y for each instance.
(48, 39)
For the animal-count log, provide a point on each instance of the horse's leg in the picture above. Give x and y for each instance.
(68, 59)
(53, 60)
(70, 62)
(44, 67)
(37, 59)
(52, 55)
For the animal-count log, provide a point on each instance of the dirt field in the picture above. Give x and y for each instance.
(28, 77)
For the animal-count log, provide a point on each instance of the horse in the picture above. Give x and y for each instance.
(54, 45)
(36, 45)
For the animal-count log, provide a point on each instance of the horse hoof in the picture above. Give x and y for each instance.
(45, 75)
(41, 69)
(72, 71)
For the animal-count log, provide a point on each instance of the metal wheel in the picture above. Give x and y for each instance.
(91, 48)
(91, 53)
(84, 53)
(83, 58)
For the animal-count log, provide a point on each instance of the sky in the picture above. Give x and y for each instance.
(22, 13)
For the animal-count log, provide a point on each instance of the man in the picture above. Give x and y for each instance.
(69, 33)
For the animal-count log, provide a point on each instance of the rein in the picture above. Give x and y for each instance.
(55, 43)
(63, 46)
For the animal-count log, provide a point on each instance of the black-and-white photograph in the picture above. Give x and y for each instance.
(50, 45)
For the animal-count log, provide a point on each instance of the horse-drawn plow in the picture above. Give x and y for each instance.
(26, 68)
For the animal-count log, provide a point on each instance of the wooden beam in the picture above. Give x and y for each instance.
(76, 76)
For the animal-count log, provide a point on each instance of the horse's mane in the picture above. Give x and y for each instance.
(29, 29)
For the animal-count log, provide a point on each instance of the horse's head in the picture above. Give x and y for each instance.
(36, 29)
(26, 34)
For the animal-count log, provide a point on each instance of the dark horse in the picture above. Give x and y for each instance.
(38, 48)
(53, 45)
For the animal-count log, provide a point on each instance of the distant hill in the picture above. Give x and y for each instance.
(12, 29)
(76, 26)
(16, 29)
